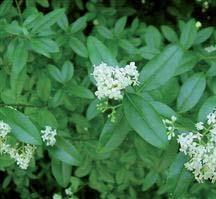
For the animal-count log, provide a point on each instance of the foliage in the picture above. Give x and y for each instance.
(47, 53)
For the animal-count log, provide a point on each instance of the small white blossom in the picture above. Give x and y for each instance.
(68, 192)
(57, 196)
(198, 24)
(4, 129)
(48, 136)
(173, 118)
(211, 118)
(210, 49)
(199, 126)
(111, 81)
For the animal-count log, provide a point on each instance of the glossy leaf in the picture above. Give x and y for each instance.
(190, 92)
(161, 68)
(61, 172)
(144, 119)
(22, 127)
(99, 53)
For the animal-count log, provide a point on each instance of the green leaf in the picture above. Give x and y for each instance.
(80, 91)
(44, 46)
(188, 61)
(203, 35)
(149, 180)
(104, 32)
(148, 52)
(98, 52)
(79, 24)
(167, 156)
(64, 75)
(55, 73)
(92, 110)
(44, 3)
(20, 57)
(178, 179)
(190, 92)
(113, 134)
(153, 37)
(144, 119)
(161, 68)
(67, 71)
(188, 34)
(47, 20)
(63, 22)
(169, 34)
(78, 47)
(206, 108)
(44, 88)
(14, 28)
(84, 168)
(22, 128)
(127, 46)
(6, 161)
(163, 109)
(61, 172)
(66, 152)
(42, 117)
(120, 25)
(5, 7)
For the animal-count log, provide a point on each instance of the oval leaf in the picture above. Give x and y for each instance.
(22, 128)
(191, 92)
(161, 68)
(143, 118)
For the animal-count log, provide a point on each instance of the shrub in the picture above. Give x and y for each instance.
(107, 99)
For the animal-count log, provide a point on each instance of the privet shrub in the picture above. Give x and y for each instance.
(99, 101)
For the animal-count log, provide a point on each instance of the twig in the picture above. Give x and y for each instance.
(22, 105)
(19, 10)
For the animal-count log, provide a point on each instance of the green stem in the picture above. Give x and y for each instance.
(83, 140)
(19, 10)
(23, 105)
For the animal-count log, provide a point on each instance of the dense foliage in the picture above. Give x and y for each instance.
(63, 135)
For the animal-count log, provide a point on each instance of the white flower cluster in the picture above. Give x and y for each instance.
(22, 155)
(170, 126)
(4, 129)
(111, 80)
(49, 136)
(200, 146)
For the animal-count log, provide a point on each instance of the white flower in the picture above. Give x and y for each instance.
(23, 159)
(211, 118)
(198, 24)
(111, 81)
(57, 196)
(185, 140)
(199, 126)
(210, 49)
(201, 149)
(4, 129)
(22, 156)
(68, 192)
(49, 136)
(173, 118)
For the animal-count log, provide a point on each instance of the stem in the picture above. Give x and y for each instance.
(83, 140)
(19, 10)
(23, 105)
